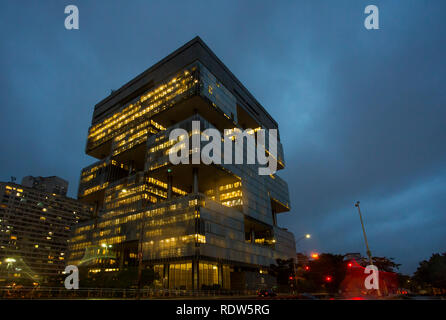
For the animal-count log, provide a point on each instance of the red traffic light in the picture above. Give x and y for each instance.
(307, 268)
(328, 278)
(291, 278)
(350, 265)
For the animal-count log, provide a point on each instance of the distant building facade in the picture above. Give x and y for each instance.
(198, 226)
(51, 184)
(34, 232)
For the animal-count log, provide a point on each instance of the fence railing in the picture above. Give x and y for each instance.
(112, 293)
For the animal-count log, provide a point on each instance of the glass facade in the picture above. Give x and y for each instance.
(180, 276)
(209, 275)
(197, 224)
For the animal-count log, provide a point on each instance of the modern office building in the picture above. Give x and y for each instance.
(51, 184)
(197, 225)
(35, 227)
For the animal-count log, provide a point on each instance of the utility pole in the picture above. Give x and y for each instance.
(369, 253)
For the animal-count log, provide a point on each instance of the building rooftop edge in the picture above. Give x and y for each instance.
(196, 40)
(39, 191)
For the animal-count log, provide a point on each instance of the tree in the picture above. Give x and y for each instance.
(404, 281)
(382, 263)
(326, 273)
(432, 272)
(386, 264)
(283, 270)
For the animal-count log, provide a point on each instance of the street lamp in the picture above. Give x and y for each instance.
(306, 236)
(369, 253)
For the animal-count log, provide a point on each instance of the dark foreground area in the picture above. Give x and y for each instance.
(166, 294)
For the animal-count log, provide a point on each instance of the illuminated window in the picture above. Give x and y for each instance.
(180, 276)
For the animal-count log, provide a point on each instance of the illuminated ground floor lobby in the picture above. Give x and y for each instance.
(210, 275)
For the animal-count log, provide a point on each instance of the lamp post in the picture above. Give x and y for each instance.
(369, 253)
(307, 236)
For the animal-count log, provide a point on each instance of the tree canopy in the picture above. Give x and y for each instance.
(432, 272)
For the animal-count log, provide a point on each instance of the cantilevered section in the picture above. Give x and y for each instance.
(192, 51)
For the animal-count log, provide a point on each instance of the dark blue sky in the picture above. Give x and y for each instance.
(362, 113)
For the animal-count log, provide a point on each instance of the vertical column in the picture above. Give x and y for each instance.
(274, 218)
(169, 186)
(220, 275)
(121, 257)
(217, 191)
(130, 167)
(166, 276)
(197, 275)
(193, 275)
(253, 236)
(195, 177)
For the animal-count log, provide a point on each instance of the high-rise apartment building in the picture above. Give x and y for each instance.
(197, 225)
(35, 227)
(51, 184)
